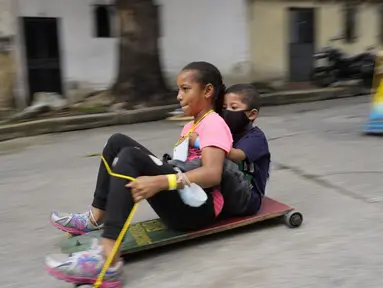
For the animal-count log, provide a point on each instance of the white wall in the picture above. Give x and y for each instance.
(6, 18)
(84, 58)
(211, 30)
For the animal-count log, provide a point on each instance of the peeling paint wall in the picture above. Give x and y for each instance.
(7, 71)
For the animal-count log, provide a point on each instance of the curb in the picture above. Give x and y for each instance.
(312, 95)
(74, 123)
(82, 122)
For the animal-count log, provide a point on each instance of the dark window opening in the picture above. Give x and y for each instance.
(350, 23)
(103, 21)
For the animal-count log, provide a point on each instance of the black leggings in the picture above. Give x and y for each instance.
(126, 156)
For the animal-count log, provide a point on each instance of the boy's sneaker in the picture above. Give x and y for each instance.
(84, 267)
(76, 224)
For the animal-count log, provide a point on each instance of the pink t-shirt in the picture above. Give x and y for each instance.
(212, 131)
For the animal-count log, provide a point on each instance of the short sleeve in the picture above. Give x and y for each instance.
(254, 145)
(215, 132)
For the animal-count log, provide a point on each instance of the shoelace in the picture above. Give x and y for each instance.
(93, 219)
(88, 215)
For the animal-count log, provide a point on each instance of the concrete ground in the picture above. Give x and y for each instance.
(322, 165)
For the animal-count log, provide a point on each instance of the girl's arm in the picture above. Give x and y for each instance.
(206, 176)
(210, 173)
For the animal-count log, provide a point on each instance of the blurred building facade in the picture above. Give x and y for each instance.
(72, 44)
(64, 45)
(285, 34)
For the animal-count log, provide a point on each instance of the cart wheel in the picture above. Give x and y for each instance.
(293, 219)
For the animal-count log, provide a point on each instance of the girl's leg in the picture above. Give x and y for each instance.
(132, 162)
(167, 204)
(92, 219)
(112, 148)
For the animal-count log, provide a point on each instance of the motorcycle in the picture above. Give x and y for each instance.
(341, 67)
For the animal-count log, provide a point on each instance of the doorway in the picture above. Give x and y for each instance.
(301, 43)
(42, 49)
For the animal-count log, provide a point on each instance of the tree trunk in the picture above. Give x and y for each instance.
(139, 79)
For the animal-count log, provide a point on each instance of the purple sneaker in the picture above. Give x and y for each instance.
(76, 224)
(84, 267)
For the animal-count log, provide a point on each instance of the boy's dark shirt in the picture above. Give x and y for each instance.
(254, 144)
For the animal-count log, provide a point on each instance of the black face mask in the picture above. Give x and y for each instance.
(236, 120)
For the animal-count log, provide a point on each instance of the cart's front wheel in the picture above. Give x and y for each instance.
(293, 219)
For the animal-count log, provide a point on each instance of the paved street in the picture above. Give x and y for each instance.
(322, 165)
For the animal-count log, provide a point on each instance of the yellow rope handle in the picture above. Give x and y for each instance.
(116, 246)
